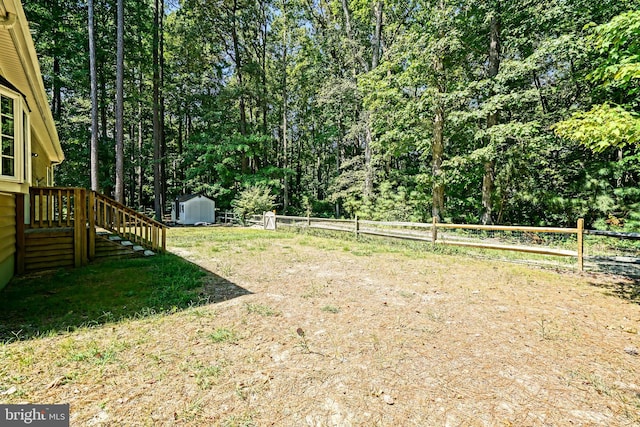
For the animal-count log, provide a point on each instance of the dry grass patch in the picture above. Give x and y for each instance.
(349, 334)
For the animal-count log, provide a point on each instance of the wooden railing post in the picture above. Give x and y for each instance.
(40, 207)
(580, 244)
(32, 209)
(91, 208)
(357, 230)
(83, 224)
(77, 228)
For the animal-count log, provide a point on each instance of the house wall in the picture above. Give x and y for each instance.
(7, 237)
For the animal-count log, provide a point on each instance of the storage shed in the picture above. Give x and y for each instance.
(193, 209)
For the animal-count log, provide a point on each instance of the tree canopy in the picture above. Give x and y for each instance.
(495, 111)
(615, 122)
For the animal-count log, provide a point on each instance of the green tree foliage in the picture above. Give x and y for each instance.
(614, 123)
(254, 200)
(385, 109)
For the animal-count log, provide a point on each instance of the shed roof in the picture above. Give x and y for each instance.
(188, 197)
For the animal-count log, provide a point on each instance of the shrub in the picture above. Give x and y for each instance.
(254, 200)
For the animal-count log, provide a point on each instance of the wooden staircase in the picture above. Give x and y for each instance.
(109, 245)
(69, 227)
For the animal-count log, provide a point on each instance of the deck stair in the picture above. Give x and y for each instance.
(63, 227)
(109, 245)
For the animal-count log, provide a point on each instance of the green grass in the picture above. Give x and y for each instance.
(262, 310)
(330, 309)
(97, 294)
(245, 420)
(366, 245)
(221, 335)
(186, 237)
(207, 375)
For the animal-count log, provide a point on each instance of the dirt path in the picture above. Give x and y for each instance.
(342, 335)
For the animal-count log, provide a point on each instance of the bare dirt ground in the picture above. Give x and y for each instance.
(314, 332)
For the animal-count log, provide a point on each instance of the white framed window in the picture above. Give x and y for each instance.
(15, 144)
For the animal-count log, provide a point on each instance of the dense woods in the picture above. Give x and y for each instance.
(500, 111)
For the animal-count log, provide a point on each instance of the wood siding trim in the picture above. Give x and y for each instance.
(7, 234)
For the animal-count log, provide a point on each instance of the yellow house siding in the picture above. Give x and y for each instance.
(7, 237)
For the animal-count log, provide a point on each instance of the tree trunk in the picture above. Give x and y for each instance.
(357, 57)
(239, 74)
(140, 160)
(285, 125)
(437, 153)
(163, 139)
(377, 37)
(102, 102)
(492, 119)
(119, 196)
(263, 64)
(368, 167)
(95, 181)
(157, 137)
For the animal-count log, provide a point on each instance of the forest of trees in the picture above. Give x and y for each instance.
(495, 111)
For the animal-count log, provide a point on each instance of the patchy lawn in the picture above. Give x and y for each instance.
(289, 329)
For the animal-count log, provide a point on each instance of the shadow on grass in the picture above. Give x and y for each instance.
(628, 289)
(622, 266)
(627, 286)
(108, 291)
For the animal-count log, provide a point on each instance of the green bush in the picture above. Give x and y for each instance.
(254, 200)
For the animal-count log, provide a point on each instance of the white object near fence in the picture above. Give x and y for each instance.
(269, 220)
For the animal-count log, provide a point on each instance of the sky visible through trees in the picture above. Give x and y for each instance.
(499, 111)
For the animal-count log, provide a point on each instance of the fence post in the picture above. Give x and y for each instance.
(580, 244)
(434, 230)
(308, 219)
(357, 230)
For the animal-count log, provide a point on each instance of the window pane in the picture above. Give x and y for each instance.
(7, 126)
(7, 147)
(7, 166)
(6, 106)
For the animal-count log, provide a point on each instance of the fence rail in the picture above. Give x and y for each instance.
(561, 242)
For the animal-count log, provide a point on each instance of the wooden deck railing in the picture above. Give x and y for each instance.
(53, 207)
(84, 211)
(128, 223)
